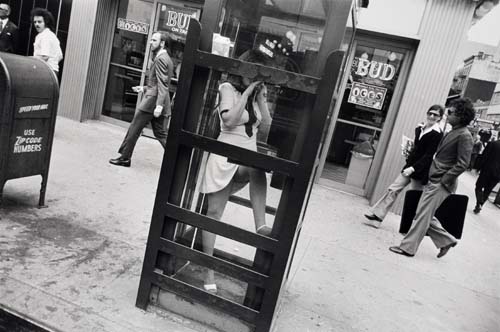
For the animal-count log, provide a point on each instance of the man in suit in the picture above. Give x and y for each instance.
(451, 159)
(9, 33)
(155, 106)
(489, 174)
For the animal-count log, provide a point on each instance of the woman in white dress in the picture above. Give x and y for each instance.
(242, 110)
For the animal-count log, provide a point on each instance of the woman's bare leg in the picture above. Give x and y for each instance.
(216, 204)
(258, 196)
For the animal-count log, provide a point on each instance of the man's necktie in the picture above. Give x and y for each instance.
(1, 26)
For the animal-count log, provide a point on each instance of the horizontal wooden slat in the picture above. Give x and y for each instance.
(240, 155)
(213, 263)
(192, 293)
(270, 75)
(220, 228)
(246, 202)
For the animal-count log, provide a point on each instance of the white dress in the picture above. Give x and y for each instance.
(219, 171)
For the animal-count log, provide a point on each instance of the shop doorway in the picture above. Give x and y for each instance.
(370, 99)
(130, 56)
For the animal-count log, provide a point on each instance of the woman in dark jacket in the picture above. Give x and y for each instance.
(415, 172)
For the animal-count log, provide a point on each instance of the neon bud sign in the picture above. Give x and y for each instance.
(375, 69)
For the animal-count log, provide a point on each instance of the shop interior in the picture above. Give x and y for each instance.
(362, 114)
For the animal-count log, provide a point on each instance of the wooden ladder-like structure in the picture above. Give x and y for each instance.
(267, 274)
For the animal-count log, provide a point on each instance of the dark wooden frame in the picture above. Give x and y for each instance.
(274, 254)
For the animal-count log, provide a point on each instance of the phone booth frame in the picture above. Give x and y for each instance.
(274, 254)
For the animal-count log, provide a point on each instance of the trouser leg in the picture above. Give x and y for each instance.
(432, 197)
(160, 125)
(385, 203)
(481, 182)
(439, 235)
(134, 131)
(488, 188)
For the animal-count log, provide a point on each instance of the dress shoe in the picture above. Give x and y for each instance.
(373, 220)
(120, 162)
(477, 209)
(400, 251)
(372, 217)
(444, 250)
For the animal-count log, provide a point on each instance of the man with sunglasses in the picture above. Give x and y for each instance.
(9, 33)
(451, 159)
(416, 170)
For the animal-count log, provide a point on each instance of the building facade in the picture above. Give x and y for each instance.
(400, 62)
(479, 79)
(20, 15)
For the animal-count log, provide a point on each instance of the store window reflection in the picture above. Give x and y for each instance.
(127, 58)
(265, 27)
(362, 115)
(268, 28)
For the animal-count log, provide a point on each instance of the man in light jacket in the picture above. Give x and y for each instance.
(46, 47)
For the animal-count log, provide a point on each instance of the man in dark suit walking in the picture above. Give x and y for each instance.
(451, 159)
(155, 105)
(489, 174)
(9, 33)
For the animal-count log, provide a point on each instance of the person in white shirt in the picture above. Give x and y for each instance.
(46, 46)
(416, 171)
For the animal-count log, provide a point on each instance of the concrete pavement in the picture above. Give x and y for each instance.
(75, 266)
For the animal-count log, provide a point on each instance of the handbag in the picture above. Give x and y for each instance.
(451, 213)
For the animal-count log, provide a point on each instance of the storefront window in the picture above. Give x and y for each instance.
(362, 115)
(127, 58)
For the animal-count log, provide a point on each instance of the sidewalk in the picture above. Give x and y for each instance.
(75, 266)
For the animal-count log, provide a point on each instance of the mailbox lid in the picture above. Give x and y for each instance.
(29, 76)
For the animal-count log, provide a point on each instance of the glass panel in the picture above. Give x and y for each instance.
(226, 190)
(131, 33)
(366, 101)
(287, 33)
(174, 19)
(120, 100)
(243, 200)
(127, 58)
(277, 130)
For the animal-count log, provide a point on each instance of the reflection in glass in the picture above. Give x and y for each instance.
(242, 111)
(121, 100)
(267, 27)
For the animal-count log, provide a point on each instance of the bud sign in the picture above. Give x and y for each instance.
(374, 69)
(176, 19)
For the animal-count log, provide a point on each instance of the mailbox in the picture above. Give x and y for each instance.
(29, 92)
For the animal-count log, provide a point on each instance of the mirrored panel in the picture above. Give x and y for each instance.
(252, 113)
(287, 32)
(229, 191)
